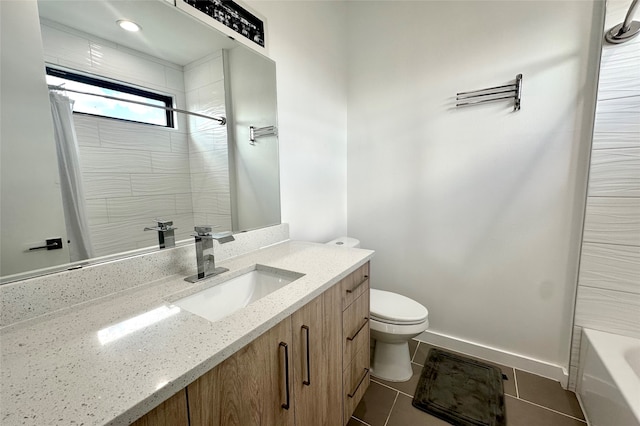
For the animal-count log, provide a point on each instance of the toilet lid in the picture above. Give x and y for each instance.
(394, 308)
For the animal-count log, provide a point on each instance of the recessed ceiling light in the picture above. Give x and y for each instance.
(128, 25)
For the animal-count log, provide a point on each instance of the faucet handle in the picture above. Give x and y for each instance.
(204, 229)
(165, 225)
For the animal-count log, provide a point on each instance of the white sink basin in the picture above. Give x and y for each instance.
(227, 297)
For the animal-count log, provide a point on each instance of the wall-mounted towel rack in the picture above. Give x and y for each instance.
(498, 93)
(258, 132)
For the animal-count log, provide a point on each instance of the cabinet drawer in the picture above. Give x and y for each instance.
(355, 326)
(354, 285)
(356, 382)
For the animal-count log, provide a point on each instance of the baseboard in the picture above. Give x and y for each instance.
(541, 368)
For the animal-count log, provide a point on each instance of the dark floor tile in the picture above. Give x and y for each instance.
(547, 393)
(355, 422)
(413, 345)
(509, 384)
(522, 413)
(375, 405)
(421, 353)
(405, 414)
(408, 387)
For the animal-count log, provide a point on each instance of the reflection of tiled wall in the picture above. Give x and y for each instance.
(208, 153)
(132, 172)
(609, 280)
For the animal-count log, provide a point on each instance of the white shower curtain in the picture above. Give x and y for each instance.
(75, 213)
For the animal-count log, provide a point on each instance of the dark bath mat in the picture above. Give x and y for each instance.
(460, 390)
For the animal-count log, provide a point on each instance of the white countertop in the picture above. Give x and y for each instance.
(55, 370)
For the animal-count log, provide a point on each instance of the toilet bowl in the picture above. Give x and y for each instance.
(394, 320)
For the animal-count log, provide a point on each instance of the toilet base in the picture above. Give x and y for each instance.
(392, 362)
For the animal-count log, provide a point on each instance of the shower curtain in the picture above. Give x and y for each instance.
(75, 214)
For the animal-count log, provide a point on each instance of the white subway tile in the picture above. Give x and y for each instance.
(132, 136)
(174, 78)
(608, 310)
(141, 207)
(106, 185)
(160, 184)
(170, 162)
(612, 220)
(612, 267)
(105, 160)
(179, 142)
(86, 130)
(62, 45)
(615, 172)
(123, 66)
(97, 211)
(611, 140)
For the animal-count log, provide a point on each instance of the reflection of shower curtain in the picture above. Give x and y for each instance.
(75, 214)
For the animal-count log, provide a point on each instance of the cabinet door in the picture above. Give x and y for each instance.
(250, 387)
(172, 412)
(317, 360)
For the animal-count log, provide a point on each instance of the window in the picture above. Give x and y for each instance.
(104, 107)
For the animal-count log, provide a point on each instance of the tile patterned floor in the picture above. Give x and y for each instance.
(530, 400)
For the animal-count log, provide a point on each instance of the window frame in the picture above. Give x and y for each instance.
(96, 81)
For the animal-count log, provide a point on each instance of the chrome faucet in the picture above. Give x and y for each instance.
(166, 236)
(204, 252)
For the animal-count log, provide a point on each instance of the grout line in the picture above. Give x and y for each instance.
(361, 421)
(550, 409)
(515, 380)
(392, 406)
(393, 389)
(413, 355)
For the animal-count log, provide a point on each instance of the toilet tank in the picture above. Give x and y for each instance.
(345, 242)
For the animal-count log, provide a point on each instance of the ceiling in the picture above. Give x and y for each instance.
(167, 33)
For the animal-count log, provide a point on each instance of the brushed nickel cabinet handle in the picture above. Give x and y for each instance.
(366, 320)
(352, 394)
(351, 290)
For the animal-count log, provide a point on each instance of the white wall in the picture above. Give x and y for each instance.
(252, 99)
(307, 41)
(609, 280)
(475, 212)
(30, 188)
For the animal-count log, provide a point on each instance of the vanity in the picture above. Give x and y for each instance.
(299, 355)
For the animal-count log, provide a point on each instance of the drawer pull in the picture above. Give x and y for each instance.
(366, 320)
(308, 381)
(364, 280)
(364, 376)
(286, 374)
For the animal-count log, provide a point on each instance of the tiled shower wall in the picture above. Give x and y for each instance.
(208, 153)
(608, 296)
(134, 173)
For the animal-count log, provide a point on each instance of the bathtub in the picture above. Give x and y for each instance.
(609, 379)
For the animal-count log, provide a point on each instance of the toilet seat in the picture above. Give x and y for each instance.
(392, 308)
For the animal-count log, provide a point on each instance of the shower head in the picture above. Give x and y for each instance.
(625, 31)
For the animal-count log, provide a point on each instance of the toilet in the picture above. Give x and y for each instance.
(394, 320)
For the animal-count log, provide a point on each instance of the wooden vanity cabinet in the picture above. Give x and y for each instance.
(311, 369)
(355, 339)
(248, 388)
(317, 362)
(172, 412)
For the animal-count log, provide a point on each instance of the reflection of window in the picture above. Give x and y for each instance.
(96, 105)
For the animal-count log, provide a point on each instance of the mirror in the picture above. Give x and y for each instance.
(198, 172)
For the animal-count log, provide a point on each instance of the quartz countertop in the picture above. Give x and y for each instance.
(78, 365)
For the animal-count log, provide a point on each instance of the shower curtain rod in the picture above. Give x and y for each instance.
(220, 120)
